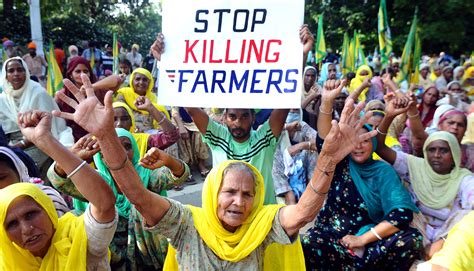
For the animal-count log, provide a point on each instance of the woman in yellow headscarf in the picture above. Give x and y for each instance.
(141, 84)
(468, 82)
(31, 235)
(362, 73)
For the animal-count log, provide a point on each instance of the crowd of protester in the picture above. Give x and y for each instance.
(381, 170)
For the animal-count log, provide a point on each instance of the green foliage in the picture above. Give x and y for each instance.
(72, 21)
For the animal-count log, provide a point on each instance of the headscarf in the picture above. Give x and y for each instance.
(72, 48)
(357, 81)
(306, 69)
(68, 249)
(437, 115)
(59, 203)
(468, 74)
(30, 96)
(31, 45)
(324, 76)
(432, 189)
(372, 103)
(469, 135)
(140, 138)
(431, 112)
(130, 95)
(454, 82)
(379, 185)
(235, 246)
(456, 71)
(29, 163)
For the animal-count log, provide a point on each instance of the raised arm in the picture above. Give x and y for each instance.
(98, 119)
(331, 90)
(355, 94)
(394, 108)
(36, 126)
(143, 103)
(340, 141)
(277, 121)
(200, 118)
(307, 39)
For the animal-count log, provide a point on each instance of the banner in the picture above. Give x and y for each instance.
(231, 54)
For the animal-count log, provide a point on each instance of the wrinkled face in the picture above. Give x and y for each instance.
(140, 84)
(239, 122)
(455, 125)
(455, 88)
(309, 79)
(28, 225)
(430, 97)
(332, 72)
(76, 73)
(8, 176)
(16, 74)
(448, 73)
(440, 157)
(424, 72)
(122, 118)
(235, 199)
(363, 150)
(127, 145)
(124, 68)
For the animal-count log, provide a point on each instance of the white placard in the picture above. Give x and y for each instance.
(232, 54)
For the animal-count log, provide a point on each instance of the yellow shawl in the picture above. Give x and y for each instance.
(432, 189)
(140, 138)
(235, 246)
(68, 248)
(357, 81)
(130, 95)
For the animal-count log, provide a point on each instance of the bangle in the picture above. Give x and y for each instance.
(69, 176)
(322, 194)
(119, 167)
(375, 233)
(324, 171)
(162, 119)
(326, 113)
(378, 131)
(413, 116)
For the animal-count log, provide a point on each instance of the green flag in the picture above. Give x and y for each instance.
(55, 77)
(115, 55)
(346, 58)
(385, 36)
(408, 58)
(320, 42)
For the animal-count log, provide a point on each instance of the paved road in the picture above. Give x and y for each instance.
(191, 194)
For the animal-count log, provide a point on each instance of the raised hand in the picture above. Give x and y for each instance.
(332, 88)
(155, 158)
(398, 106)
(85, 147)
(158, 47)
(343, 138)
(35, 125)
(307, 39)
(90, 114)
(143, 103)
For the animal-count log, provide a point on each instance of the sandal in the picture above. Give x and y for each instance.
(204, 172)
(190, 180)
(178, 187)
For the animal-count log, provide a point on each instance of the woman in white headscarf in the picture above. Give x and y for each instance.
(21, 94)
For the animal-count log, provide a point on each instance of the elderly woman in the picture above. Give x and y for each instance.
(442, 190)
(233, 228)
(141, 84)
(328, 72)
(455, 96)
(32, 237)
(310, 94)
(77, 66)
(13, 170)
(365, 221)
(21, 94)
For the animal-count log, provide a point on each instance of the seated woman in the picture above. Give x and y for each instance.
(442, 190)
(294, 159)
(233, 228)
(141, 84)
(13, 170)
(32, 237)
(365, 221)
(21, 94)
(124, 118)
(131, 246)
(77, 66)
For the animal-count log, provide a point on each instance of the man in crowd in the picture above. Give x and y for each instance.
(35, 63)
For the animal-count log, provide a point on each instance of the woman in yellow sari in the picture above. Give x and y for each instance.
(233, 228)
(141, 85)
(362, 73)
(31, 235)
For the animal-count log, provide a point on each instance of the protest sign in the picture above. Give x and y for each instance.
(232, 54)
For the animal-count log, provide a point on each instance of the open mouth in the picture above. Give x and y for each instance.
(234, 213)
(32, 240)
